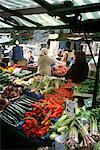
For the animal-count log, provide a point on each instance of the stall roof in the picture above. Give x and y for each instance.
(45, 13)
(75, 2)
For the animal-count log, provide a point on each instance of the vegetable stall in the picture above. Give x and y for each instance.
(46, 110)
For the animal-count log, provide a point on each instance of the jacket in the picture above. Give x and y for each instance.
(17, 53)
(44, 65)
(78, 72)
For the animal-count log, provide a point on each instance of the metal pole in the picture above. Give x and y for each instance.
(90, 48)
(96, 83)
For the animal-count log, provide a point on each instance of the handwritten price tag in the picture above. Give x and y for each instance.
(71, 107)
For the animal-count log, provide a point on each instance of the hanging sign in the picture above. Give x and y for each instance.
(40, 36)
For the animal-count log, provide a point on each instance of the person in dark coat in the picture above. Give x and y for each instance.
(17, 53)
(79, 70)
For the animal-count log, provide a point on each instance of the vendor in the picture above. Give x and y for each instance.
(17, 53)
(44, 62)
(79, 70)
(92, 67)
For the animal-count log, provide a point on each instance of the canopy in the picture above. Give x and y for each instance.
(41, 14)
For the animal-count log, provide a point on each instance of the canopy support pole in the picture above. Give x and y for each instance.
(96, 83)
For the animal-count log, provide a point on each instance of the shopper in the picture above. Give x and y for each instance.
(45, 62)
(70, 57)
(17, 53)
(79, 70)
(60, 55)
(31, 58)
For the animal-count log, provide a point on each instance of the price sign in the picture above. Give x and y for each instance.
(88, 102)
(17, 70)
(71, 107)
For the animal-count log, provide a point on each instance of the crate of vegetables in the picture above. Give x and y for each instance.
(10, 94)
(27, 125)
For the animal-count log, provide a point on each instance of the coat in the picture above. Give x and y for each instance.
(44, 65)
(17, 53)
(78, 72)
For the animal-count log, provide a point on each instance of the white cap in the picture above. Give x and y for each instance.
(44, 51)
(17, 42)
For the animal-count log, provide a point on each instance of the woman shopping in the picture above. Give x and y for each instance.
(44, 62)
(79, 70)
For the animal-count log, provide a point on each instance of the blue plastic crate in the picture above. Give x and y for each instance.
(33, 94)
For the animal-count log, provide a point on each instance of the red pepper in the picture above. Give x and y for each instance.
(43, 131)
(56, 114)
(36, 105)
(28, 121)
(45, 111)
(36, 111)
(28, 114)
(47, 117)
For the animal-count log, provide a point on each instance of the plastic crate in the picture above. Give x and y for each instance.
(33, 95)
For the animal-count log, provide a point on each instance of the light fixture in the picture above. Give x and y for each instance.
(71, 15)
(78, 17)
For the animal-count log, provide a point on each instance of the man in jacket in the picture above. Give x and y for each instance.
(17, 53)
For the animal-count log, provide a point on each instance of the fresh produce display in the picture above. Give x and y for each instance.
(78, 131)
(20, 81)
(41, 84)
(8, 69)
(8, 94)
(38, 117)
(14, 113)
(46, 85)
(1, 87)
(22, 73)
(4, 78)
(39, 120)
(85, 87)
(60, 70)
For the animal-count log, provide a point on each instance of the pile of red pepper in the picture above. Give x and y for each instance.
(62, 93)
(38, 121)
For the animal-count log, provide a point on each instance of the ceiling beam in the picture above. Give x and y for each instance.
(59, 9)
(79, 9)
(89, 25)
(19, 15)
(42, 28)
(30, 11)
(50, 8)
(44, 4)
(6, 22)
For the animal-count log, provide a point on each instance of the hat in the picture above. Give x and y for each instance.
(44, 51)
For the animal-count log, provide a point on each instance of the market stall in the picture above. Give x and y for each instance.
(39, 109)
(49, 111)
